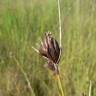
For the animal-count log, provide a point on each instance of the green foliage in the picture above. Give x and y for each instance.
(23, 23)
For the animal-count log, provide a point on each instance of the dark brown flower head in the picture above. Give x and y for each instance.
(50, 49)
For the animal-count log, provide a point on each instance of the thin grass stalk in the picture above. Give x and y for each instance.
(59, 85)
(90, 88)
(60, 34)
(25, 75)
(60, 30)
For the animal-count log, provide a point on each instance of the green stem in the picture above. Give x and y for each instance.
(60, 85)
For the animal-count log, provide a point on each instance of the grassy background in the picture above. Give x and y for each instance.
(23, 23)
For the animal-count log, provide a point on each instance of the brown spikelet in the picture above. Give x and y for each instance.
(50, 49)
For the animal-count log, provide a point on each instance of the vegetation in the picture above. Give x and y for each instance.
(23, 23)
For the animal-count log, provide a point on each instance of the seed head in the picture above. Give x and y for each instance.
(50, 49)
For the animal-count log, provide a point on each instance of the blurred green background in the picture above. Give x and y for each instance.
(22, 25)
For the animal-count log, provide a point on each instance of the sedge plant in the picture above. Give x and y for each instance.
(51, 51)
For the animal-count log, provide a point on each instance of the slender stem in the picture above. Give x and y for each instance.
(90, 88)
(25, 75)
(60, 30)
(60, 85)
